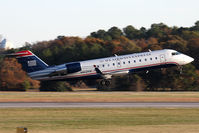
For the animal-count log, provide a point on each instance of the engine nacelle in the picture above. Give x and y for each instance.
(73, 67)
(69, 68)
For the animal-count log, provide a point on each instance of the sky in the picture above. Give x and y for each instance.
(41, 20)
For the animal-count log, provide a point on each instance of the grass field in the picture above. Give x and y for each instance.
(100, 120)
(99, 96)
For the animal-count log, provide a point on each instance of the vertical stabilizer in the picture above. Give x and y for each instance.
(29, 61)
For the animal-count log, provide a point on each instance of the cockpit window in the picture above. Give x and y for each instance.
(175, 53)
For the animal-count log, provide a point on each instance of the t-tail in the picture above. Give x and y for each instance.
(29, 61)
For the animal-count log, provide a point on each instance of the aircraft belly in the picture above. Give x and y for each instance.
(89, 74)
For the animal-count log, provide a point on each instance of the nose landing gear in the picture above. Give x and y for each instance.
(180, 68)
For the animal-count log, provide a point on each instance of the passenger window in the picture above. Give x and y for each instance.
(113, 64)
(134, 61)
(129, 62)
(145, 59)
(156, 58)
(150, 58)
(140, 60)
(123, 62)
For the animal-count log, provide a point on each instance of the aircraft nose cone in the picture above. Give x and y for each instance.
(186, 59)
(190, 59)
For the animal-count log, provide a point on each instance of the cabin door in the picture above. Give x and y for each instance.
(162, 58)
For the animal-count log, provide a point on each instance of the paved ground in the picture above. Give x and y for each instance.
(100, 105)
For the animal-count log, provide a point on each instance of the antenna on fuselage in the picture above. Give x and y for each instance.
(149, 50)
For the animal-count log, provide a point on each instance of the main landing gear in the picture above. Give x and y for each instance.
(104, 85)
(105, 82)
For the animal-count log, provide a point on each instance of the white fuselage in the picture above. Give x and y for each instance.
(118, 65)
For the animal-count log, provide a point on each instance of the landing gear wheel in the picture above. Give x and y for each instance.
(104, 85)
(102, 82)
(107, 83)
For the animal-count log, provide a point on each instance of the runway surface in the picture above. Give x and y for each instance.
(100, 105)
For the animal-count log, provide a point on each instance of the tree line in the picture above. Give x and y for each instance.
(104, 43)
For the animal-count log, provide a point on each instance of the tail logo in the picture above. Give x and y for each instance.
(29, 61)
(32, 63)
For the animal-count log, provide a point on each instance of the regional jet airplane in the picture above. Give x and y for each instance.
(103, 68)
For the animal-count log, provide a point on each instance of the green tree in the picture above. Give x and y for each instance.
(131, 33)
(102, 34)
(158, 30)
(115, 32)
(193, 46)
(176, 43)
(187, 35)
(196, 27)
